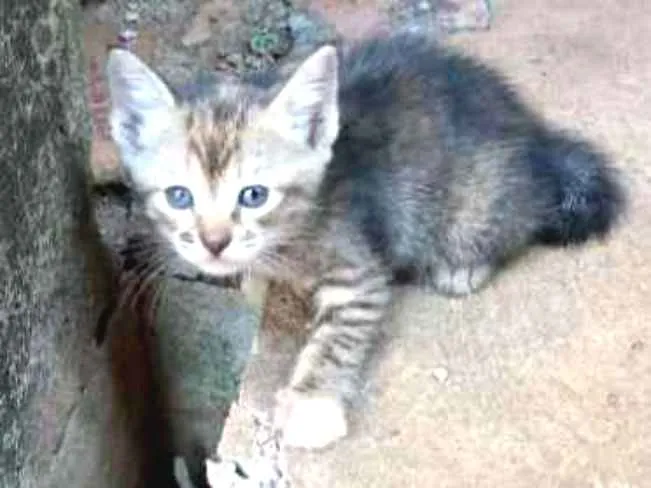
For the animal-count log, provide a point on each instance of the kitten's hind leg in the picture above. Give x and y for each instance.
(460, 280)
(351, 305)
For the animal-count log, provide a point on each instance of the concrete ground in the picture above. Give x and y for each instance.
(543, 378)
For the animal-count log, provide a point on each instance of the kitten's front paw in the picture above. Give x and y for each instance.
(310, 421)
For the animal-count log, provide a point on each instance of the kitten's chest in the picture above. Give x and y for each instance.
(302, 266)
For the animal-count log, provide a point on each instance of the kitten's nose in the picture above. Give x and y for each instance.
(216, 240)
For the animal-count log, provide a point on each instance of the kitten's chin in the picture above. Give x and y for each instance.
(211, 265)
(219, 268)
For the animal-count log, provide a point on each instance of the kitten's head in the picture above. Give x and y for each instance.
(227, 180)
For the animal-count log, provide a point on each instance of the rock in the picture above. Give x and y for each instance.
(441, 374)
(205, 334)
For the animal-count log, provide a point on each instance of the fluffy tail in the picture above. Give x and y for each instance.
(588, 195)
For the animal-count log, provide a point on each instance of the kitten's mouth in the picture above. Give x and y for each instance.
(218, 266)
(208, 263)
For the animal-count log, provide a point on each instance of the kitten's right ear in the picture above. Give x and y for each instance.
(141, 103)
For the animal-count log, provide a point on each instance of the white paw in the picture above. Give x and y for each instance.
(310, 421)
(461, 281)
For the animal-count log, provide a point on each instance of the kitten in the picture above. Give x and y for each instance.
(388, 156)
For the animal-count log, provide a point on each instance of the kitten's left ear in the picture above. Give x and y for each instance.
(306, 109)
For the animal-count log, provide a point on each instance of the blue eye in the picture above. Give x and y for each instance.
(179, 197)
(253, 196)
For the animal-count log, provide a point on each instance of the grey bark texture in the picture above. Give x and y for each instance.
(74, 413)
(66, 418)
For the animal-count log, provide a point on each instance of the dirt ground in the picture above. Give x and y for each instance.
(542, 379)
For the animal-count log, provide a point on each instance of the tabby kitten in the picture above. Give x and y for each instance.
(391, 155)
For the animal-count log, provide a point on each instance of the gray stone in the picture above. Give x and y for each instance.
(205, 334)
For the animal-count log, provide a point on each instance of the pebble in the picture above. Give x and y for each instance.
(440, 374)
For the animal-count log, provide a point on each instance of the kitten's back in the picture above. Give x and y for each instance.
(438, 156)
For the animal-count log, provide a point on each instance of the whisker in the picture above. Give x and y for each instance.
(154, 265)
(157, 295)
(145, 282)
(139, 249)
(133, 277)
(133, 261)
(140, 267)
(140, 259)
(112, 312)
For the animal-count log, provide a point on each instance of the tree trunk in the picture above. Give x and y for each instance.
(72, 413)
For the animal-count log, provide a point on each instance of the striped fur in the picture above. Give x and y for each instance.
(391, 157)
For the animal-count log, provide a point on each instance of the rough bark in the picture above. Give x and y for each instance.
(72, 414)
